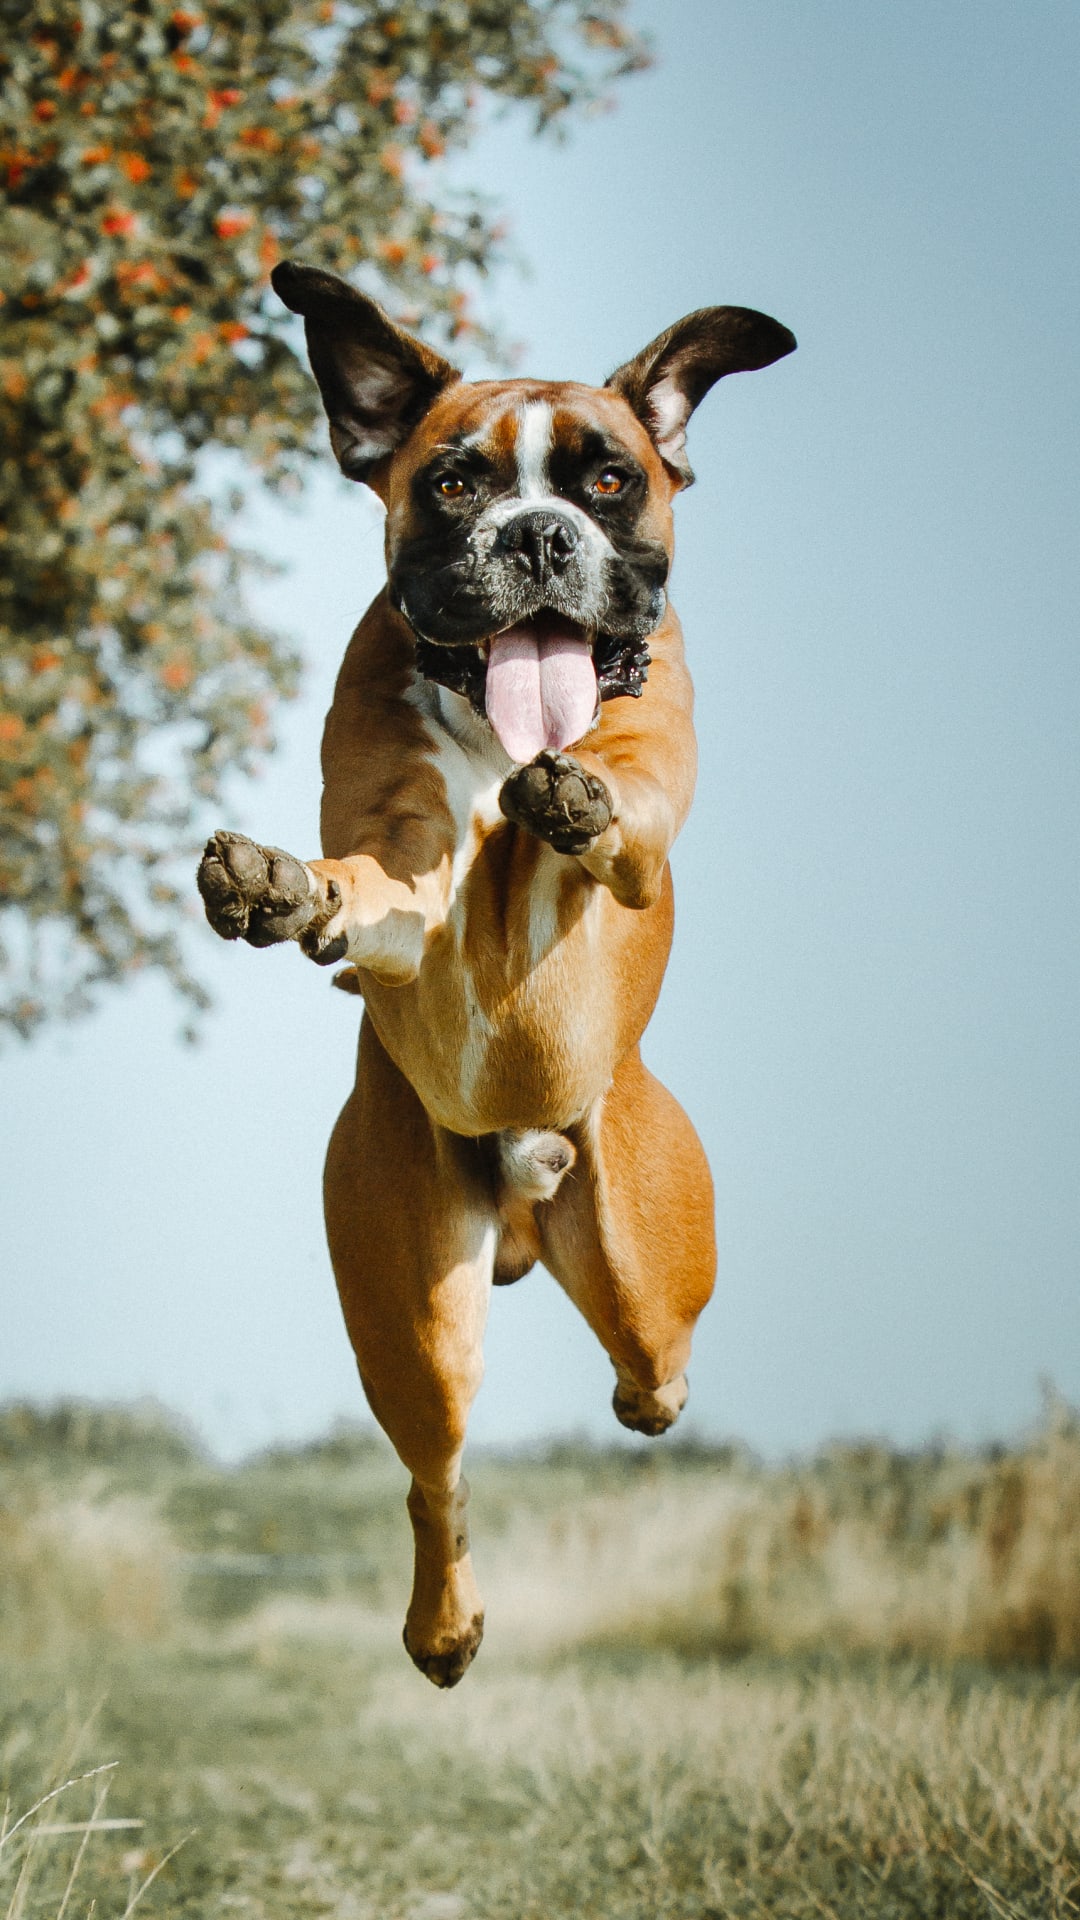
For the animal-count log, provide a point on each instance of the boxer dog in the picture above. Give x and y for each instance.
(508, 758)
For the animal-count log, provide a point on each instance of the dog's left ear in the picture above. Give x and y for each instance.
(666, 381)
(376, 380)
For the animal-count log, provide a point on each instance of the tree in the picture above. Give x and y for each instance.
(156, 162)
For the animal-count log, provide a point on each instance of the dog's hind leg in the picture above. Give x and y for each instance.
(412, 1228)
(630, 1238)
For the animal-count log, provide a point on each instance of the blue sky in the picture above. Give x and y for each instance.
(872, 1008)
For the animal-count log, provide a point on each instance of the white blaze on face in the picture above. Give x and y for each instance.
(541, 684)
(535, 421)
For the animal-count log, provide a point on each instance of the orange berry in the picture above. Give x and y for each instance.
(137, 273)
(231, 223)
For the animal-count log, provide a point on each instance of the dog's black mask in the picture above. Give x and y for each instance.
(526, 527)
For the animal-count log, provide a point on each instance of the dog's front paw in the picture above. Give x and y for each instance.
(257, 894)
(557, 800)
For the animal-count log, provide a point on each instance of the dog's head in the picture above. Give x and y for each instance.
(528, 523)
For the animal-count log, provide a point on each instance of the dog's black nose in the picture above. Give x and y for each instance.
(541, 543)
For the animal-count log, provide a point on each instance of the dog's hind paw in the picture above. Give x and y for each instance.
(649, 1412)
(257, 894)
(557, 800)
(446, 1667)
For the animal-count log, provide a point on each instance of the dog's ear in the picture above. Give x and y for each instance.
(665, 382)
(376, 380)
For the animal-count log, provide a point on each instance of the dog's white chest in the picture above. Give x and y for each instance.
(473, 767)
(511, 947)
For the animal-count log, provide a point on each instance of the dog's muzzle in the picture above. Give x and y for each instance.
(542, 544)
(535, 618)
(621, 665)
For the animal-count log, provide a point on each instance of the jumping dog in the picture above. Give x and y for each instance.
(508, 758)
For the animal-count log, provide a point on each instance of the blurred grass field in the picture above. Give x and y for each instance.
(842, 1688)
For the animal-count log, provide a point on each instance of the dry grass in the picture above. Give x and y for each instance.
(57, 1829)
(707, 1690)
(941, 1557)
(123, 1530)
(756, 1791)
(100, 1567)
(320, 1784)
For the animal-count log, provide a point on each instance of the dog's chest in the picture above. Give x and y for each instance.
(472, 766)
(504, 894)
(496, 1010)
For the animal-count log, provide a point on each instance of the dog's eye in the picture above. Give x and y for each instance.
(608, 482)
(450, 486)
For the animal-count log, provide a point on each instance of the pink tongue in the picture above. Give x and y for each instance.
(540, 691)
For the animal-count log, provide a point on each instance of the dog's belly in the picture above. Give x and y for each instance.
(519, 1017)
(538, 983)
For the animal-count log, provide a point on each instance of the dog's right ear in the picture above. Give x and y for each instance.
(667, 380)
(376, 380)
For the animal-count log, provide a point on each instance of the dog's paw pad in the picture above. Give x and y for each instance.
(645, 1412)
(555, 798)
(446, 1668)
(253, 893)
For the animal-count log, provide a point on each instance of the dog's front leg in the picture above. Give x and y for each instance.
(617, 802)
(334, 909)
(620, 825)
(617, 824)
